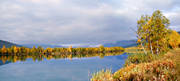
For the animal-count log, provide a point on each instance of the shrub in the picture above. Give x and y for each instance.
(161, 70)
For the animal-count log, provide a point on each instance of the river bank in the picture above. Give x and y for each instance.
(141, 67)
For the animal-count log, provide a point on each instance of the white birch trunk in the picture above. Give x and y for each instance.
(157, 50)
(143, 49)
(151, 48)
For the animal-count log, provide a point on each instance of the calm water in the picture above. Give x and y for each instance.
(77, 69)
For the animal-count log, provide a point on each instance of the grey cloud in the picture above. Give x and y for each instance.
(76, 21)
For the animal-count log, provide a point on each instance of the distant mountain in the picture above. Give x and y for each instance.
(42, 45)
(123, 43)
(179, 32)
(7, 44)
(61, 45)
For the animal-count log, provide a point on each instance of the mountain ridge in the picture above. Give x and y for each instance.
(42, 45)
(122, 43)
(7, 44)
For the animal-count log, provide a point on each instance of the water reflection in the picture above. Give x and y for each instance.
(40, 57)
(57, 67)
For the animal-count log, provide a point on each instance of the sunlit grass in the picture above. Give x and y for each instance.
(103, 75)
(175, 56)
(134, 50)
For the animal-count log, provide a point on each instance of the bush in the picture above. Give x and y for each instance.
(161, 70)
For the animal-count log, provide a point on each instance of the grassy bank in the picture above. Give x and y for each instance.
(145, 67)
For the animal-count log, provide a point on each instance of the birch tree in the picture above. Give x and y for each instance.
(152, 32)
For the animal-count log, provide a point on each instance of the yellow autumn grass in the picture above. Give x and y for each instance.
(134, 50)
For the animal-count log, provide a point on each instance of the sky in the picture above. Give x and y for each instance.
(78, 21)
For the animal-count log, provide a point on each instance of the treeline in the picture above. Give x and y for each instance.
(56, 51)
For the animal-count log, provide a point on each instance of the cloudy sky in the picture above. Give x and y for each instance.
(78, 21)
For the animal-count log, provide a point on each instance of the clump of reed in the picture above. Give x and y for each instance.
(103, 75)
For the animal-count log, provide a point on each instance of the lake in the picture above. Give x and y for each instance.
(57, 69)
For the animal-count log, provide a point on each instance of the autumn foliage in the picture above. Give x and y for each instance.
(152, 32)
(174, 39)
(57, 51)
(160, 70)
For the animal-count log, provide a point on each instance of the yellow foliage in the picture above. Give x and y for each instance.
(15, 49)
(4, 50)
(139, 40)
(70, 49)
(174, 39)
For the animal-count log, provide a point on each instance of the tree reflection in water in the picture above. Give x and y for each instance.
(41, 57)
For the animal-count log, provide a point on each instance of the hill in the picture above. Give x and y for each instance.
(123, 43)
(7, 44)
(42, 45)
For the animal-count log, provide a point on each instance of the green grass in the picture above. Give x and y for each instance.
(142, 58)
